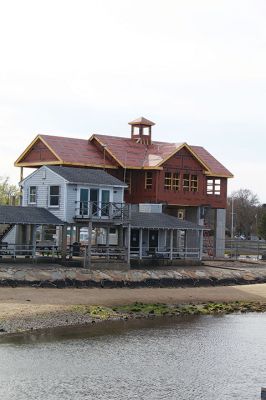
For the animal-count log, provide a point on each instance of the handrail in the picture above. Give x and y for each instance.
(102, 210)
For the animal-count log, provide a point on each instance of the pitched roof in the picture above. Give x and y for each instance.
(214, 165)
(27, 215)
(103, 151)
(131, 154)
(71, 151)
(161, 221)
(142, 121)
(86, 176)
(135, 155)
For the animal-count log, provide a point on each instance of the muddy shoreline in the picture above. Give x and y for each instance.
(83, 315)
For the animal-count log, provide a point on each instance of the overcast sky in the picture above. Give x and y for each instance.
(195, 67)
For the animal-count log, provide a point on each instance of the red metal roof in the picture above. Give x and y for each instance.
(131, 154)
(124, 151)
(76, 151)
(214, 165)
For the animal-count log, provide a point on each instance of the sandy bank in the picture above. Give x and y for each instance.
(24, 309)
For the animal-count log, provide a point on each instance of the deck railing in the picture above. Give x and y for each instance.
(99, 210)
(165, 253)
(11, 250)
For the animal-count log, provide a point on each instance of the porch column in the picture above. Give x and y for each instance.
(171, 243)
(128, 244)
(71, 235)
(185, 243)
(77, 236)
(33, 240)
(64, 241)
(140, 243)
(89, 244)
(120, 236)
(219, 237)
(200, 244)
(107, 241)
(21, 190)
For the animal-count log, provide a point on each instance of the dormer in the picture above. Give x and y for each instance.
(141, 130)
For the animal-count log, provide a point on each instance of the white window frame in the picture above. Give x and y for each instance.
(34, 194)
(110, 189)
(214, 186)
(49, 196)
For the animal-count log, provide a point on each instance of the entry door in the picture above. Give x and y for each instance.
(84, 202)
(94, 199)
(105, 202)
(153, 240)
(134, 240)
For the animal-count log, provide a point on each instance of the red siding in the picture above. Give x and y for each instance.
(183, 162)
(39, 152)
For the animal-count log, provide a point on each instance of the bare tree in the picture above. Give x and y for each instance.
(242, 208)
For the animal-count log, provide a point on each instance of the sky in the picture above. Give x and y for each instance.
(197, 68)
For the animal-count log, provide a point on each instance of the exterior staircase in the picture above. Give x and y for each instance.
(4, 230)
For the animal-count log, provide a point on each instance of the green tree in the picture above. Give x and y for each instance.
(262, 225)
(9, 194)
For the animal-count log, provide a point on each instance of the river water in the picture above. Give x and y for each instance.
(205, 357)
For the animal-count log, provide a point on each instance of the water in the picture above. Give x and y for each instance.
(210, 358)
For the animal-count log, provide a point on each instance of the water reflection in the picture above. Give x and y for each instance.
(185, 358)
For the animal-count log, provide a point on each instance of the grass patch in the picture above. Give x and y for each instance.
(96, 311)
(160, 309)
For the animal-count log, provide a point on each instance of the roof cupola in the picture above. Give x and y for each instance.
(141, 130)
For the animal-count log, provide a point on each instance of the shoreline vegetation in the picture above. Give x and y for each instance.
(81, 315)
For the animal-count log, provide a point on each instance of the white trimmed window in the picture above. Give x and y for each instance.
(32, 195)
(214, 186)
(54, 196)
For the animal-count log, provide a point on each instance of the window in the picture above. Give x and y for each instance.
(194, 183)
(214, 186)
(168, 180)
(175, 181)
(186, 182)
(32, 194)
(190, 183)
(148, 180)
(54, 196)
(171, 181)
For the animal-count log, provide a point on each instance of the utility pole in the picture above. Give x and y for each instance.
(232, 217)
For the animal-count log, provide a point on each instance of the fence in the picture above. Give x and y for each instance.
(235, 248)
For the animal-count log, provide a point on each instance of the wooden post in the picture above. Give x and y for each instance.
(171, 243)
(64, 242)
(128, 244)
(33, 240)
(140, 243)
(120, 236)
(21, 190)
(107, 241)
(263, 393)
(200, 244)
(77, 233)
(89, 243)
(165, 239)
